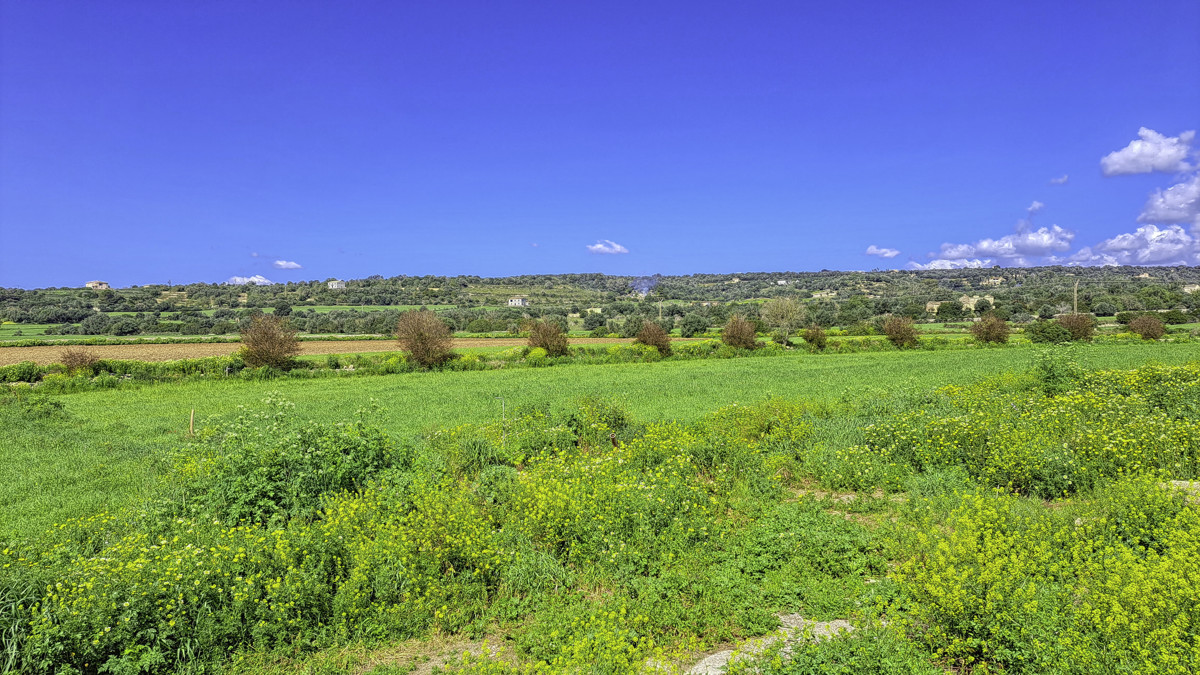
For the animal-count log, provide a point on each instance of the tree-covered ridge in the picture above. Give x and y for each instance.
(830, 298)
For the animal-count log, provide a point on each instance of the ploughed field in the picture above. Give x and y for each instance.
(45, 355)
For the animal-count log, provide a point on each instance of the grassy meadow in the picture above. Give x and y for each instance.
(592, 518)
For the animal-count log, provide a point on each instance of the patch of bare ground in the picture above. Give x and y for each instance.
(49, 354)
(421, 657)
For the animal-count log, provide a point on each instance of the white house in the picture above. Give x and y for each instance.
(518, 302)
(97, 285)
(337, 284)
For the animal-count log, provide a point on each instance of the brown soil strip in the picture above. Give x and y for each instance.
(170, 352)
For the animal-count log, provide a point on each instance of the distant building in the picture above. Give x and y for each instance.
(1143, 275)
(1191, 288)
(932, 306)
(335, 284)
(518, 302)
(994, 281)
(821, 295)
(968, 301)
(781, 282)
(97, 285)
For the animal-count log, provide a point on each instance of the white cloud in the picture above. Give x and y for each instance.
(1177, 204)
(1152, 152)
(286, 265)
(607, 246)
(1035, 207)
(1151, 245)
(257, 280)
(950, 264)
(1013, 248)
(882, 252)
(1062, 180)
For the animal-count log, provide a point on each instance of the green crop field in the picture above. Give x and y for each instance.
(730, 492)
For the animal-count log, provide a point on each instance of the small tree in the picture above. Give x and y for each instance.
(549, 336)
(269, 341)
(1081, 326)
(739, 333)
(815, 336)
(784, 315)
(900, 331)
(1047, 332)
(692, 324)
(653, 334)
(990, 329)
(425, 337)
(1149, 327)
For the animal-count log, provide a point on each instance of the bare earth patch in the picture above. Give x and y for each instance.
(171, 352)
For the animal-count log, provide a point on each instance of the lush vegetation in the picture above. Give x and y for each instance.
(992, 510)
(784, 302)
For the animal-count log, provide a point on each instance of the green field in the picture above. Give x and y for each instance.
(839, 486)
(112, 446)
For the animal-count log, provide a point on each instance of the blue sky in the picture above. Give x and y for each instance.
(205, 141)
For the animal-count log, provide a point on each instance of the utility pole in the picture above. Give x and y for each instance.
(1076, 296)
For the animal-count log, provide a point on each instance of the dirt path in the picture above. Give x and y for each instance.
(169, 352)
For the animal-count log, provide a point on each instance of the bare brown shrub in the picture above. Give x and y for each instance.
(1082, 326)
(1149, 327)
(653, 334)
(990, 328)
(900, 331)
(269, 341)
(549, 336)
(425, 337)
(739, 333)
(79, 359)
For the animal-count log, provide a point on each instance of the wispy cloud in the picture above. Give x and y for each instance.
(1035, 207)
(1151, 152)
(607, 246)
(286, 265)
(882, 252)
(1061, 180)
(256, 280)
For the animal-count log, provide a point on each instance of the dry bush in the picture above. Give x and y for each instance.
(269, 341)
(900, 331)
(1082, 326)
(1149, 327)
(549, 336)
(425, 337)
(78, 359)
(990, 328)
(815, 336)
(739, 333)
(653, 334)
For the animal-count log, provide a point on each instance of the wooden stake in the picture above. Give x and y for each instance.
(192, 423)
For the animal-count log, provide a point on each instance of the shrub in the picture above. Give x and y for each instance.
(900, 331)
(1124, 318)
(78, 359)
(1081, 326)
(1149, 327)
(269, 341)
(1174, 317)
(815, 336)
(692, 325)
(425, 337)
(1047, 332)
(549, 336)
(739, 333)
(653, 335)
(990, 329)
